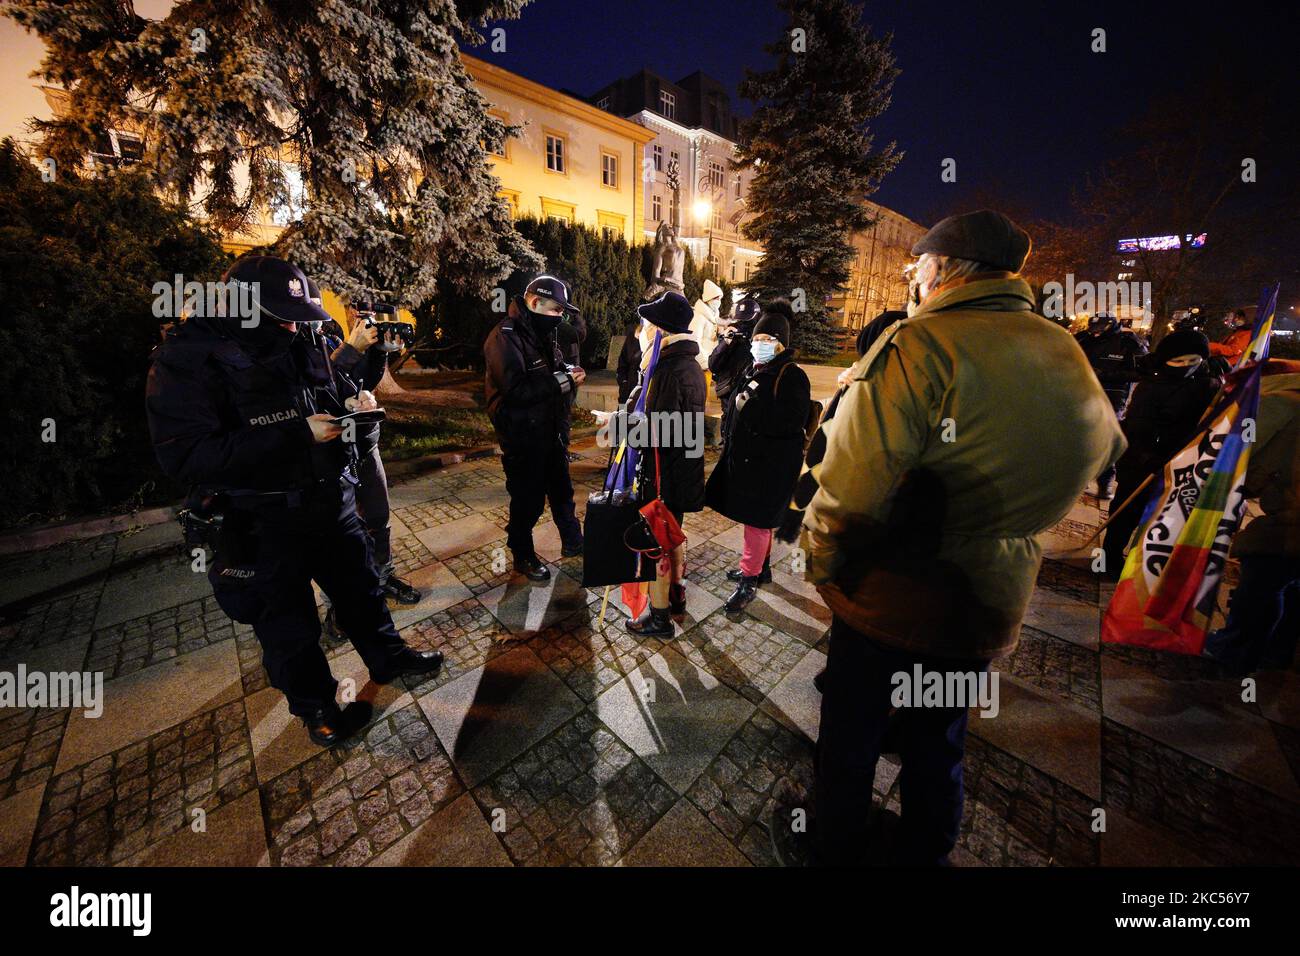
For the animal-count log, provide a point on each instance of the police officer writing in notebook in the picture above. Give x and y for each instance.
(528, 385)
(241, 408)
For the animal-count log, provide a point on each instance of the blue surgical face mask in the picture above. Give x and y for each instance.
(763, 351)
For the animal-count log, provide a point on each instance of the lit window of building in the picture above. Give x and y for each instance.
(715, 173)
(555, 158)
(668, 104)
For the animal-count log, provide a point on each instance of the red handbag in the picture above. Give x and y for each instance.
(659, 522)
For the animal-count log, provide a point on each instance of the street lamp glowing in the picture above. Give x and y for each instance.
(702, 209)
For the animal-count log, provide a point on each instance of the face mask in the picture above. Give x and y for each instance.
(763, 351)
(266, 337)
(543, 322)
(1185, 365)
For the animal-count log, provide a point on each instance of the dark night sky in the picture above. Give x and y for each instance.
(1008, 89)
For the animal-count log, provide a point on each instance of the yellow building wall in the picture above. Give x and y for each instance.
(579, 193)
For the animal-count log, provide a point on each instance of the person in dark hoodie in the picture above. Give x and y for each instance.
(763, 449)
(730, 360)
(242, 409)
(670, 468)
(1162, 416)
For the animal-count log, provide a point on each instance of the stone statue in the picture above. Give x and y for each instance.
(669, 261)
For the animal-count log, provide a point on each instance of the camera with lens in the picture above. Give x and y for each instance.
(383, 318)
(403, 331)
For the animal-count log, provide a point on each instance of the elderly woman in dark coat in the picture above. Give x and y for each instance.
(762, 449)
(676, 387)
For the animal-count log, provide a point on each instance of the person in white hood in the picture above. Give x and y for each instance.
(704, 324)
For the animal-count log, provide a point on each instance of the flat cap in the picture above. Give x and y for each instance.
(985, 236)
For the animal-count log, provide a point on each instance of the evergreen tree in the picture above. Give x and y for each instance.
(367, 104)
(810, 144)
(606, 275)
(79, 259)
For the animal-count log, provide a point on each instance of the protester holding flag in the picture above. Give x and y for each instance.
(1163, 415)
(1264, 615)
(1167, 593)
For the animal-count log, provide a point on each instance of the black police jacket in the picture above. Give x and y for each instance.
(526, 385)
(1114, 357)
(221, 419)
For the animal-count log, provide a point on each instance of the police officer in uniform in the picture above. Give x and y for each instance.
(240, 409)
(528, 385)
(1114, 354)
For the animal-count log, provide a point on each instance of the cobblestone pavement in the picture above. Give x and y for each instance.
(552, 736)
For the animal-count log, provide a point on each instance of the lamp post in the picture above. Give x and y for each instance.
(703, 211)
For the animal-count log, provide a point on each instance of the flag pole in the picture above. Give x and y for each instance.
(1114, 512)
(604, 604)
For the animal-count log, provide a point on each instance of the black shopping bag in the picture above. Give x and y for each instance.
(613, 517)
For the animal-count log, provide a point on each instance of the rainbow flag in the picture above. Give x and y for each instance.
(1168, 590)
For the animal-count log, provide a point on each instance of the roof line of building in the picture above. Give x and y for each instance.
(546, 96)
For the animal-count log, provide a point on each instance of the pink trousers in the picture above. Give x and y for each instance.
(758, 544)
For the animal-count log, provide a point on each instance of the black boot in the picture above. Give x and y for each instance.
(743, 594)
(764, 576)
(532, 569)
(677, 598)
(329, 725)
(400, 590)
(407, 661)
(655, 622)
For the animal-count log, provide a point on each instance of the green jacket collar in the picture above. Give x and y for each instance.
(997, 294)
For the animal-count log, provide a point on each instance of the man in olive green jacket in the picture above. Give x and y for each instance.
(1264, 615)
(967, 429)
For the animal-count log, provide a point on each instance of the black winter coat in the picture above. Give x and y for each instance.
(526, 385)
(677, 386)
(763, 447)
(1162, 417)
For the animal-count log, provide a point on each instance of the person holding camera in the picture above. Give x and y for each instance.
(363, 360)
(244, 409)
(731, 360)
(528, 384)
